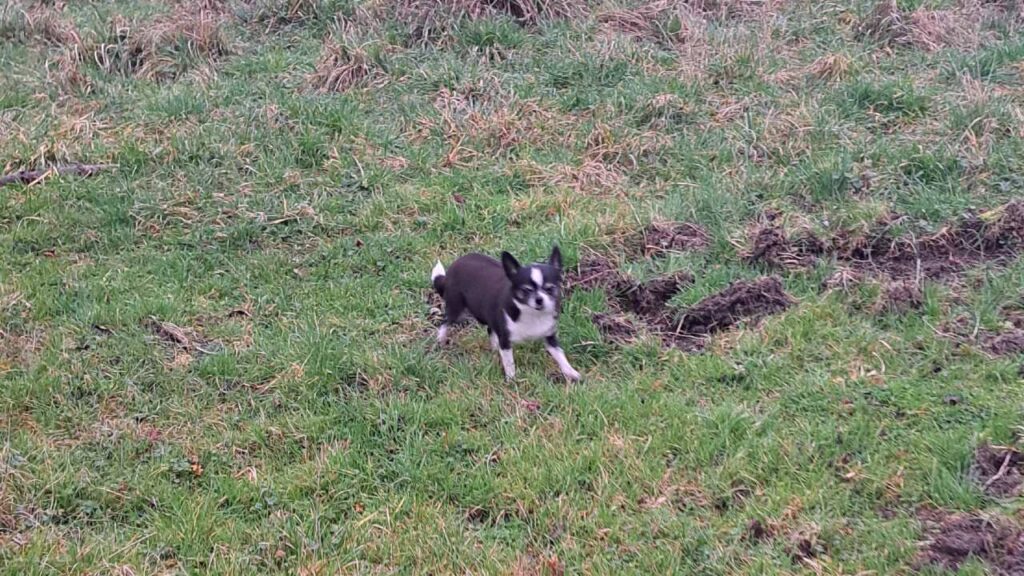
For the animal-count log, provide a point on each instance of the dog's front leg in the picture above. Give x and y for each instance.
(553, 348)
(504, 347)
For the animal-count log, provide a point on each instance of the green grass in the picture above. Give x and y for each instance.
(316, 430)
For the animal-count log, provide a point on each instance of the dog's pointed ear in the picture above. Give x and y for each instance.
(510, 264)
(556, 257)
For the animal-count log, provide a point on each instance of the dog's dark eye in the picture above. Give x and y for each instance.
(550, 288)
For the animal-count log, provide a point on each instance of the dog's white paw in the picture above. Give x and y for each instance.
(571, 374)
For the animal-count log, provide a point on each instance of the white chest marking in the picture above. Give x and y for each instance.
(532, 325)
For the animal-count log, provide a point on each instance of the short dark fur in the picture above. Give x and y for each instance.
(487, 290)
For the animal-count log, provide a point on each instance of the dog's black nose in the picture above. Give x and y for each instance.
(539, 301)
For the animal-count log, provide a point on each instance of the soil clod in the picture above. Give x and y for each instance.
(1007, 343)
(615, 327)
(771, 246)
(741, 300)
(757, 531)
(650, 298)
(954, 538)
(999, 472)
(660, 239)
(995, 235)
(898, 298)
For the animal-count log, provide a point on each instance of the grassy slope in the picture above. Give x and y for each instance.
(323, 432)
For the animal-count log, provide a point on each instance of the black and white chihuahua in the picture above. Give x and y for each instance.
(516, 303)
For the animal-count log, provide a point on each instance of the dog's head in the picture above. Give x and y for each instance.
(538, 285)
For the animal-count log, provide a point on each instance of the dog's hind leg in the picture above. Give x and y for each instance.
(454, 308)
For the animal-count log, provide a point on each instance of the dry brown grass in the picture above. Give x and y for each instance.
(39, 21)
(825, 69)
(929, 30)
(165, 46)
(588, 177)
(19, 349)
(341, 68)
(733, 9)
(626, 151)
(660, 20)
(432, 21)
(64, 70)
(275, 14)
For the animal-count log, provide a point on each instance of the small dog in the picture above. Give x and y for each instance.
(516, 303)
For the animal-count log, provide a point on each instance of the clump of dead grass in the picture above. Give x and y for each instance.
(39, 21)
(675, 22)
(165, 46)
(275, 14)
(64, 70)
(924, 29)
(664, 21)
(627, 150)
(830, 68)
(433, 21)
(342, 67)
(19, 348)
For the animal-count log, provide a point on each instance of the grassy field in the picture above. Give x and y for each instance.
(217, 356)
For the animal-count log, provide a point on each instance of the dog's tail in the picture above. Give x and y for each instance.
(437, 278)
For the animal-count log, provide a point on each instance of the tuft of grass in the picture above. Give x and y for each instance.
(341, 68)
(37, 22)
(164, 47)
(896, 99)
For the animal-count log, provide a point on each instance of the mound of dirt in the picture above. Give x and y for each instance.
(592, 272)
(1009, 341)
(615, 327)
(999, 472)
(649, 298)
(898, 298)
(741, 300)
(771, 246)
(954, 538)
(659, 239)
(996, 235)
(1006, 343)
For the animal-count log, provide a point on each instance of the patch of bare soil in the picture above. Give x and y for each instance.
(647, 300)
(662, 238)
(1009, 341)
(995, 235)
(592, 272)
(617, 328)
(955, 538)
(740, 301)
(898, 298)
(1005, 343)
(771, 246)
(998, 471)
